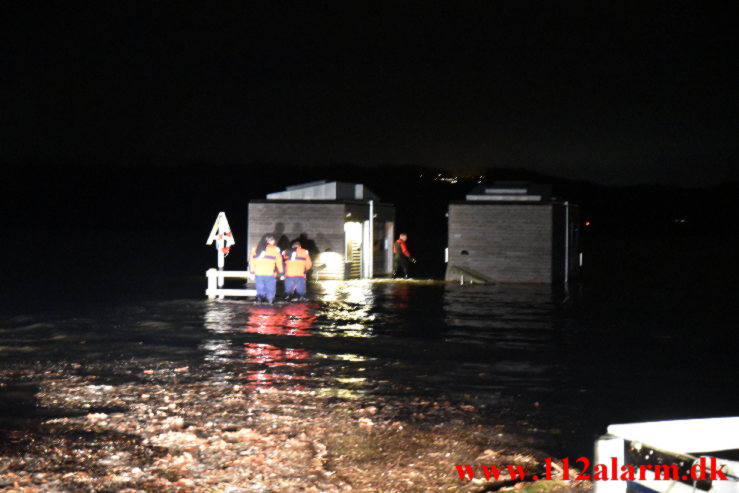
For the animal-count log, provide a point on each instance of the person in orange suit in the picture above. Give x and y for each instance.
(297, 263)
(264, 261)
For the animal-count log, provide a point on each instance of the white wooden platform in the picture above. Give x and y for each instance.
(215, 283)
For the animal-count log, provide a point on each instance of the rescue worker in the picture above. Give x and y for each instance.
(402, 257)
(264, 261)
(297, 263)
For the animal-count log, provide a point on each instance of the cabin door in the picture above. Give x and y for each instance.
(353, 232)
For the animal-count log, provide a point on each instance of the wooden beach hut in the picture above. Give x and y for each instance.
(346, 228)
(512, 233)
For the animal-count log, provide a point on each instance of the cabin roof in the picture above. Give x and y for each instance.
(510, 191)
(325, 190)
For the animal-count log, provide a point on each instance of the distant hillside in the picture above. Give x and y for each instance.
(87, 197)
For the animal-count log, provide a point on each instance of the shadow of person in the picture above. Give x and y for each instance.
(282, 241)
(308, 244)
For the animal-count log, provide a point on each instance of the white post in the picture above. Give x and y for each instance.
(221, 257)
(219, 247)
(370, 270)
(211, 274)
(365, 250)
(567, 242)
(221, 235)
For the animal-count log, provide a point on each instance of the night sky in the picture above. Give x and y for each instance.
(613, 92)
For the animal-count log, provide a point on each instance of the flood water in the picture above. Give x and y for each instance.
(617, 347)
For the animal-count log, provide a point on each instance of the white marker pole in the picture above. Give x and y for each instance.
(567, 242)
(221, 234)
(221, 257)
(371, 246)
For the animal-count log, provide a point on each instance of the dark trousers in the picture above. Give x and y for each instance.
(402, 265)
(295, 285)
(266, 286)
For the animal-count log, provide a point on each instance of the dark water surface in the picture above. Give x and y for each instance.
(648, 334)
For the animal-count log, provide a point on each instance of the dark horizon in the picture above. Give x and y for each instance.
(82, 197)
(346, 171)
(605, 94)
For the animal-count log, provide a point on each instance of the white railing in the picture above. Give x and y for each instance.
(215, 283)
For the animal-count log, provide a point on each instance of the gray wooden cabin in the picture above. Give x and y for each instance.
(513, 233)
(332, 220)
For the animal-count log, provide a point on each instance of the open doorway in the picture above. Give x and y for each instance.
(353, 250)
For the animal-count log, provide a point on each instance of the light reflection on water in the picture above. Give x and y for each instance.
(362, 337)
(427, 337)
(265, 362)
(585, 360)
(347, 308)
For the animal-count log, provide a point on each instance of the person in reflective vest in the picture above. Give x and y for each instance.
(264, 261)
(401, 256)
(297, 263)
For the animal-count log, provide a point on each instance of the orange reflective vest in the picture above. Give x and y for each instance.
(267, 262)
(297, 262)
